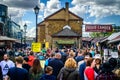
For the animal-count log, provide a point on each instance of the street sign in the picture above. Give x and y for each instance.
(98, 28)
(36, 47)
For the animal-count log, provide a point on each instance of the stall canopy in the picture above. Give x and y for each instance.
(5, 38)
(111, 37)
(117, 39)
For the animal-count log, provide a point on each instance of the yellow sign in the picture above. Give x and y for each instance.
(47, 45)
(36, 47)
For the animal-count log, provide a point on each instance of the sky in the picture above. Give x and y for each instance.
(92, 11)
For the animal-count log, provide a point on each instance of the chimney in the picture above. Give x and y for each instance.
(67, 13)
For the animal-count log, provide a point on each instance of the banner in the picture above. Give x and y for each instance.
(47, 45)
(36, 47)
(98, 28)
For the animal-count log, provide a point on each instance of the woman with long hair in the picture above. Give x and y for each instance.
(36, 70)
(69, 71)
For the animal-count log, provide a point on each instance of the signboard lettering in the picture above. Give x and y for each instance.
(98, 28)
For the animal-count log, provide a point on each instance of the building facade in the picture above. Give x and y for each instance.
(3, 19)
(8, 28)
(14, 28)
(53, 25)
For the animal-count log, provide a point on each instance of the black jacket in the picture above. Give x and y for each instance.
(1, 77)
(56, 64)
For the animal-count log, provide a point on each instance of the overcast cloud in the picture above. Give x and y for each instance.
(24, 4)
(51, 7)
(17, 8)
(96, 8)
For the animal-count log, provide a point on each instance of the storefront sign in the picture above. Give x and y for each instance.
(98, 28)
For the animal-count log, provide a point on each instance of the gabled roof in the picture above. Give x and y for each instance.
(54, 13)
(64, 10)
(66, 32)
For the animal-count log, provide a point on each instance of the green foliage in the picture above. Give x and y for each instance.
(100, 34)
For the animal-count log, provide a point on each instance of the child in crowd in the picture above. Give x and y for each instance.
(48, 74)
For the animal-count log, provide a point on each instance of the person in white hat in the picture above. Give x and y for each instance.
(97, 58)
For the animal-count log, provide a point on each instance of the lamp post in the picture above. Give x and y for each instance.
(36, 9)
(21, 35)
(25, 28)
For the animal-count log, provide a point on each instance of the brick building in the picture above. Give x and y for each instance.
(61, 29)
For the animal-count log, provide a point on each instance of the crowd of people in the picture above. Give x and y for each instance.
(60, 64)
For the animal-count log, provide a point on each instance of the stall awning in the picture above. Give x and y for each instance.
(5, 38)
(117, 39)
(65, 41)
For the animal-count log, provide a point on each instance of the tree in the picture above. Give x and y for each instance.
(100, 34)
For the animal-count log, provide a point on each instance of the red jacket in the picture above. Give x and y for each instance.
(31, 60)
(89, 72)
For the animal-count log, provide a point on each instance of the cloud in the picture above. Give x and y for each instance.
(41, 17)
(28, 22)
(42, 6)
(79, 10)
(87, 22)
(31, 32)
(52, 6)
(17, 8)
(106, 2)
(96, 8)
(24, 4)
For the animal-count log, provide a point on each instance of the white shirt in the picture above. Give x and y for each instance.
(79, 63)
(5, 65)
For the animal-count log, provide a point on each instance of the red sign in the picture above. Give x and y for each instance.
(98, 28)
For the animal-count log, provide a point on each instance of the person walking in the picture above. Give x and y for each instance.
(25, 64)
(48, 74)
(6, 64)
(69, 71)
(36, 70)
(31, 58)
(56, 64)
(82, 66)
(106, 73)
(97, 63)
(89, 73)
(17, 73)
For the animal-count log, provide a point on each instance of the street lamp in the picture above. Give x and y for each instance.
(36, 9)
(21, 35)
(25, 28)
